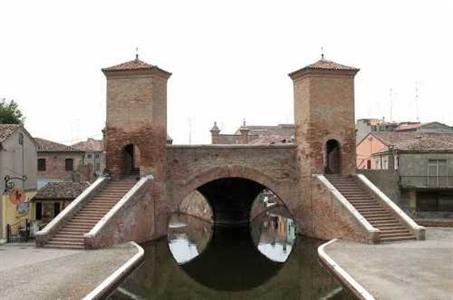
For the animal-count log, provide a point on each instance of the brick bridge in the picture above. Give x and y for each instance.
(229, 176)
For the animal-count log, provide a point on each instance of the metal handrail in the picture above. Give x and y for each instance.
(19, 224)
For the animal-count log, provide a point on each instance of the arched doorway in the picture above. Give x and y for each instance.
(131, 160)
(333, 157)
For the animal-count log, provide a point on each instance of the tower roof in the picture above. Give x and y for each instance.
(133, 65)
(325, 65)
(215, 128)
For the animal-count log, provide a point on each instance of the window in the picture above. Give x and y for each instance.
(88, 155)
(41, 164)
(368, 164)
(69, 164)
(437, 172)
(98, 166)
(97, 156)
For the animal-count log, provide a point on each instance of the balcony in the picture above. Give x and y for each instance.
(426, 182)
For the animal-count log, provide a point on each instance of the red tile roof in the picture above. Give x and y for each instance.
(49, 146)
(135, 64)
(6, 130)
(328, 65)
(324, 64)
(90, 145)
(417, 141)
(61, 190)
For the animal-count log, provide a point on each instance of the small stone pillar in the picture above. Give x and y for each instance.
(391, 158)
(215, 134)
(244, 139)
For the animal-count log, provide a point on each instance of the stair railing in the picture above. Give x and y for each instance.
(93, 239)
(417, 230)
(44, 235)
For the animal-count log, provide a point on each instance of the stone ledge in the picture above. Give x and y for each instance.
(344, 277)
(117, 277)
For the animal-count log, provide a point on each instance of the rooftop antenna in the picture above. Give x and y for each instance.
(391, 104)
(136, 53)
(416, 101)
(322, 52)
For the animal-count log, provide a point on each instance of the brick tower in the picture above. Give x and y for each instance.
(324, 118)
(136, 123)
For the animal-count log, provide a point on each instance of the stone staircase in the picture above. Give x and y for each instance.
(71, 233)
(391, 228)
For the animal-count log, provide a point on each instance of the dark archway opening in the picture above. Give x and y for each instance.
(131, 160)
(231, 199)
(333, 157)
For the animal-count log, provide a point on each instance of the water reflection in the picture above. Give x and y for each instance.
(199, 261)
(187, 237)
(274, 233)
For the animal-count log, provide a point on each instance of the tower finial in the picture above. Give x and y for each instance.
(322, 52)
(136, 53)
(243, 122)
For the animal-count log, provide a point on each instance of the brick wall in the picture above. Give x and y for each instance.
(55, 165)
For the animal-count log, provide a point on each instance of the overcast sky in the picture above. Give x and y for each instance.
(229, 59)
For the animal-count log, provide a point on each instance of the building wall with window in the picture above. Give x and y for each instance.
(96, 161)
(59, 166)
(365, 149)
(426, 182)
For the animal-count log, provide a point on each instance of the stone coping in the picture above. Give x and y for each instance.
(117, 277)
(372, 232)
(417, 230)
(116, 208)
(344, 277)
(233, 146)
(44, 234)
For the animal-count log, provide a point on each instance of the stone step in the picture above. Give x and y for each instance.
(392, 226)
(372, 214)
(92, 213)
(59, 245)
(83, 223)
(69, 233)
(368, 206)
(67, 239)
(395, 239)
(379, 218)
(386, 232)
(395, 234)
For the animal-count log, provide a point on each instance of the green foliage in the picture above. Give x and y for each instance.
(10, 113)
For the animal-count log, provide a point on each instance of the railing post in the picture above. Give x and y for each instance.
(8, 233)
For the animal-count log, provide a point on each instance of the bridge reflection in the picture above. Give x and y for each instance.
(202, 261)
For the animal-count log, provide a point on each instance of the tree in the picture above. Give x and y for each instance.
(10, 113)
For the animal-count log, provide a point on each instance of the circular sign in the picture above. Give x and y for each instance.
(17, 196)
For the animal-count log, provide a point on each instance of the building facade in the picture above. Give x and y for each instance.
(57, 162)
(423, 163)
(18, 173)
(94, 155)
(50, 200)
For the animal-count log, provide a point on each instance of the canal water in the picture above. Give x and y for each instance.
(200, 261)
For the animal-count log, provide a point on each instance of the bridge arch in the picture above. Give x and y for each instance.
(248, 179)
